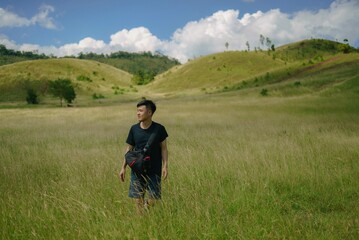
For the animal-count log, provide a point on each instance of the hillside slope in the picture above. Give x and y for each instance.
(88, 77)
(134, 63)
(337, 74)
(216, 70)
(306, 67)
(131, 62)
(292, 63)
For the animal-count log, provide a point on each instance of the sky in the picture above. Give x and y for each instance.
(180, 29)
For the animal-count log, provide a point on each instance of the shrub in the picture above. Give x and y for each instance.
(99, 96)
(264, 92)
(297, 84)
(83, 78)
(267, 76)
(31, 97)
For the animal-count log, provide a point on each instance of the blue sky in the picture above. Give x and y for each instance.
(182, 29)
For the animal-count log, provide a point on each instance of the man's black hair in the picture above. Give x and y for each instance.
(149, 105)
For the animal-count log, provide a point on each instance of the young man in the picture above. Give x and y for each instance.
(137, 138)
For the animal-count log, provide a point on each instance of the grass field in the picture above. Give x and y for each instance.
(240, 168)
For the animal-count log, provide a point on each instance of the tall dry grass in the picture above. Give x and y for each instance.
(267, 168)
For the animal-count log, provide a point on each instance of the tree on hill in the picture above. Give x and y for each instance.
(31, 97)
(142, 77)
(134, 62)
(261, 39)
(268, 43)
(273, 47)
(344, 47)
(63, 89)
(248, 46)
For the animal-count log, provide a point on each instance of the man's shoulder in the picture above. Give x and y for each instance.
(160, 129)
(158, 126)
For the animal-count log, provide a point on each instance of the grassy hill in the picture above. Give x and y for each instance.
(215, 71)
(313, 49)
(88, 77)
(134, 63)
(8, 56)
(302, 67)
(305, 67)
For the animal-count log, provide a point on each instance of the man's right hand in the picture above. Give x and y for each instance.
(122, 174)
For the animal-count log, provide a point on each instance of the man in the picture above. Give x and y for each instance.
(137, 138)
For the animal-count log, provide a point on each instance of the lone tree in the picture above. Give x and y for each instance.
(268, 43)
(248, 46)
(261, 39)
(63, 89)
(31, 97)
(344, 47)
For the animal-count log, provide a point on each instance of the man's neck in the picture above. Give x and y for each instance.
(146, 124)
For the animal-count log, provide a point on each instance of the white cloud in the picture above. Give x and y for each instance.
(209, 35)
(42, 18)
(134, 40)
(29, 47)
(9, 19)
(4, 40)
(85, 45)
(205, 36)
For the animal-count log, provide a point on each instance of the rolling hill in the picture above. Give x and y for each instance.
(215, 71)
(305, 67)
(134, 63)
(302, 67)
(88, 77)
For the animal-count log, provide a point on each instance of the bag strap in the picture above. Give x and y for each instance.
(150, 140)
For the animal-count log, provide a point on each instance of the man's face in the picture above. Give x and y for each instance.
(143, 113)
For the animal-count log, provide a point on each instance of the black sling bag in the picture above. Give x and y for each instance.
(139, 160)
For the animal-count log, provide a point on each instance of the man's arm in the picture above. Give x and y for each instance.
(123, 168)
(164, 152)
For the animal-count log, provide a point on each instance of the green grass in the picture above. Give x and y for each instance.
(240, 168)
(215, 70)
(334, 75)
(308, 50)
(87, 76)
(314, 65)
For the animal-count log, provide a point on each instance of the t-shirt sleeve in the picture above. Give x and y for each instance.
(130, 139)
(163, 134)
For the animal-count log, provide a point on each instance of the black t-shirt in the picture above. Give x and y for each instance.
(138, 138)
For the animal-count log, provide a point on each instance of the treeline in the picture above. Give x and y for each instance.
(26, 54)
(143, 66)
